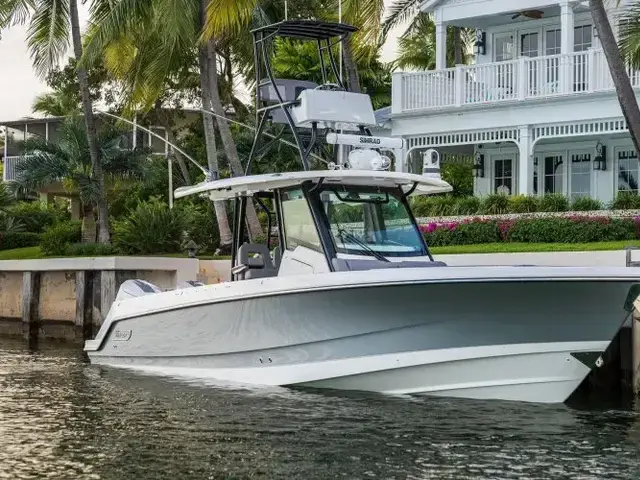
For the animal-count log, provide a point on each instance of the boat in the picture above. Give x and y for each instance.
(345, 293)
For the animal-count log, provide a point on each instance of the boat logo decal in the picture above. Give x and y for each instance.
(121, 335)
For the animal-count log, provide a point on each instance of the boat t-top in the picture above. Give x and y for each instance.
(344, 293)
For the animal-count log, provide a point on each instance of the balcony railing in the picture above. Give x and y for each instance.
(9, 171)
(526, 78)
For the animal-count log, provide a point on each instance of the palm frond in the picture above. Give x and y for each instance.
(630, 34)
(48, 34)
(112, 20)
(400, 11)
(15, 12)
(224, 17)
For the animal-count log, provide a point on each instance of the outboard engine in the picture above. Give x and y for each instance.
(136, 288)
(189, 284)
(431, 164)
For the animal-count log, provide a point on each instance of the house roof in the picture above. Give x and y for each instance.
(31, 120)
(383, 116)
(427, 5)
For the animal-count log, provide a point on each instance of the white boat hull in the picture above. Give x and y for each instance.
(526, 339)
(544, 373)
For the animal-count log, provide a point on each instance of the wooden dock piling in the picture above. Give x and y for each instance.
(30, 303)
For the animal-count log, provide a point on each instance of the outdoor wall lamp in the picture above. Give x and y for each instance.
(480, 46)
(600, 162)
(478, 166)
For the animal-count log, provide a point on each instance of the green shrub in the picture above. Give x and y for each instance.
(460, 177)
(467, 206)
(554, 202)
(151, 228)
(586, 204)
(35, 216)
(523, 204)
(434, 206)
(626, 201)
(571, 230)
(495, 204)
(10, 240)
(89, 249)
(56, 238)
(200, 223)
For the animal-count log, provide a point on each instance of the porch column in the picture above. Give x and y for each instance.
(566, 46)
(46, 198)
(441, 45)
(525, 163)
(566, 27)
(75, 208)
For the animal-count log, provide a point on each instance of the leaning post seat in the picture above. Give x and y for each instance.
(254, 261)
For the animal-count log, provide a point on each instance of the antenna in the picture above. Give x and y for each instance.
(340, 45)
(286, 10)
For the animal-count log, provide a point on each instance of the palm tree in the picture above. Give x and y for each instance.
(402, 11)
(626, 95)
(68, 160)
(417, 46)
(52, 24)
(176, 34)
(56, 104)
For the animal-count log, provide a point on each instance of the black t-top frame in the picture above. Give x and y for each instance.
(326, 35)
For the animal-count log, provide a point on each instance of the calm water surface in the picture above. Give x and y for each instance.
(63, 418)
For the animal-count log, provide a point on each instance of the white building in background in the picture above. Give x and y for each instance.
(537, 108)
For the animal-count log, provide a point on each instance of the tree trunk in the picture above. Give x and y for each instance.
(226, 237)
(90, 126)
(88, 224)
(626, 95)
(350, 66)
(164, 122)
(457, 46)
(229, 144)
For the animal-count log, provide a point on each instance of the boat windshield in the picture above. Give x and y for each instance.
(371, 223)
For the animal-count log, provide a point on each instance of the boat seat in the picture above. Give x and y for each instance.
(254, 261)
(354, 265)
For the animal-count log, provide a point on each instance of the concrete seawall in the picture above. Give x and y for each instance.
(67, 298)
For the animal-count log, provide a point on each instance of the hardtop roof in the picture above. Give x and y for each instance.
(239, 186)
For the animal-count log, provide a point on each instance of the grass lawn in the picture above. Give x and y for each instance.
(534, 247)
(34, 252)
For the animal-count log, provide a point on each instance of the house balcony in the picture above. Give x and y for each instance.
(9, 171)
(526, 79)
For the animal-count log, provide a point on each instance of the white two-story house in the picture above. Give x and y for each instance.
(537, 108)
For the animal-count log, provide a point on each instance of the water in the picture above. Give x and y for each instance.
(63, 418)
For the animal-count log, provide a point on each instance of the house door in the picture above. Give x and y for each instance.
(504, 51)
(529, 47)
(553, 174)
(503, 176)
(582, 41)
(580, 175)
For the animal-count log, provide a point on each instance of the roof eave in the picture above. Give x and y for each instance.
(428, 5)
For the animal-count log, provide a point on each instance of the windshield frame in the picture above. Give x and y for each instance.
(395, 193)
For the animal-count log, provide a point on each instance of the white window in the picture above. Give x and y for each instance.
(503, 176)
(552, 40)
(580, 180)
(504, 48)
(627, 160)
(553, 174)
(582, 38)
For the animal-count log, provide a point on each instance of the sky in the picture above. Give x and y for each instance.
(19, 85)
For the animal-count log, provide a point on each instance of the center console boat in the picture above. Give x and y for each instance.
(344, 293)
